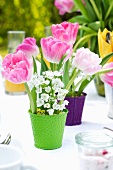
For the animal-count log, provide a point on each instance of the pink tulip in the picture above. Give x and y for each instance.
(64, 6)
(16, 68)
(29, 47)
(108, 77)
(87, 61)
(54, 49)
(65, 31)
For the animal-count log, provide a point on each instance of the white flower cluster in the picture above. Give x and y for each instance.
(50, 91)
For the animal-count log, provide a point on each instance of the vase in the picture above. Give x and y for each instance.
(109, 99)
(75, 109)
(48, 130)
(14, 89)
(14, 39)
(99, 85)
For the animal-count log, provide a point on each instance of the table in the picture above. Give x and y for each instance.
(15, 119)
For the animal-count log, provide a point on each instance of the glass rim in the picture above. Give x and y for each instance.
(15, 31)
(94, 139)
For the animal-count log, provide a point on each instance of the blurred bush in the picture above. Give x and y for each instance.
(28, 15)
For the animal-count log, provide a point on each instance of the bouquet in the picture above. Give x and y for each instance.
(91, 15)
(48, 87)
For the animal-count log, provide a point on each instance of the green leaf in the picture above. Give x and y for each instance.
(84, 85)
(65, 78)
(34, 65)
(43, 65)
(87, 29)
(80, 19)
(33, 95)
(95, 25)
(61, 63)
(109, 10)
(82, 9)
(106, 58)
(110, 23)
(90, 11)
(93, 41)
(32, 99)
(95, 7)
(105, 6)
(110, 1)
(83, 40)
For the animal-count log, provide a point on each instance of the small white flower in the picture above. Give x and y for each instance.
(62, 107)
(40, 102)
(36, 82)
(41, 80)
(49, 74)
(47, 89)
(60, 97)
(39, 89)
(62, 92)
(44, 97)
(46, 105)
(56, 106)
(47, 82)
(66, 102)
(56, 80)
(57, 73)
(50, 111)
(35, 76)
(65, 91)
(56, 87)
(52, 99)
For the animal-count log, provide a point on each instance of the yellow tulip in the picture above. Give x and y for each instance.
(105, 42)
(47, 63)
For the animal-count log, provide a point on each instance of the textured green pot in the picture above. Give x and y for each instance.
(48, 130)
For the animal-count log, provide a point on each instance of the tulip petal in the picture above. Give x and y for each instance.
(54, 49)
(16, 68)
(29, 47)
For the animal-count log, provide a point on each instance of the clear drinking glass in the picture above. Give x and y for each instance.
(47, 31)
(95, 149)
(14, 39)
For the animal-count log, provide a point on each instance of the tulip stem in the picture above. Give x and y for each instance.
(75, 74)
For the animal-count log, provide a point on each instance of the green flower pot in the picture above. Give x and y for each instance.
(48, 130)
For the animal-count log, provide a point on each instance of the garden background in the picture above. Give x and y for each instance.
(30, 16)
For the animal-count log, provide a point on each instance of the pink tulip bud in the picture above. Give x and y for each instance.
(54, 49)
(29, 47)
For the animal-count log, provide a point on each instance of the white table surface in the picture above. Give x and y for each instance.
(15, 119)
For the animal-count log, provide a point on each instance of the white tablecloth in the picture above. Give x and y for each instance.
(15, 119)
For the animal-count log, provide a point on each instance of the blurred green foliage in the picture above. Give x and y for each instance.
(28, 15)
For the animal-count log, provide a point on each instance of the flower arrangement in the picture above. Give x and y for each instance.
(48, 88)
(92, 16)
(51, 92)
